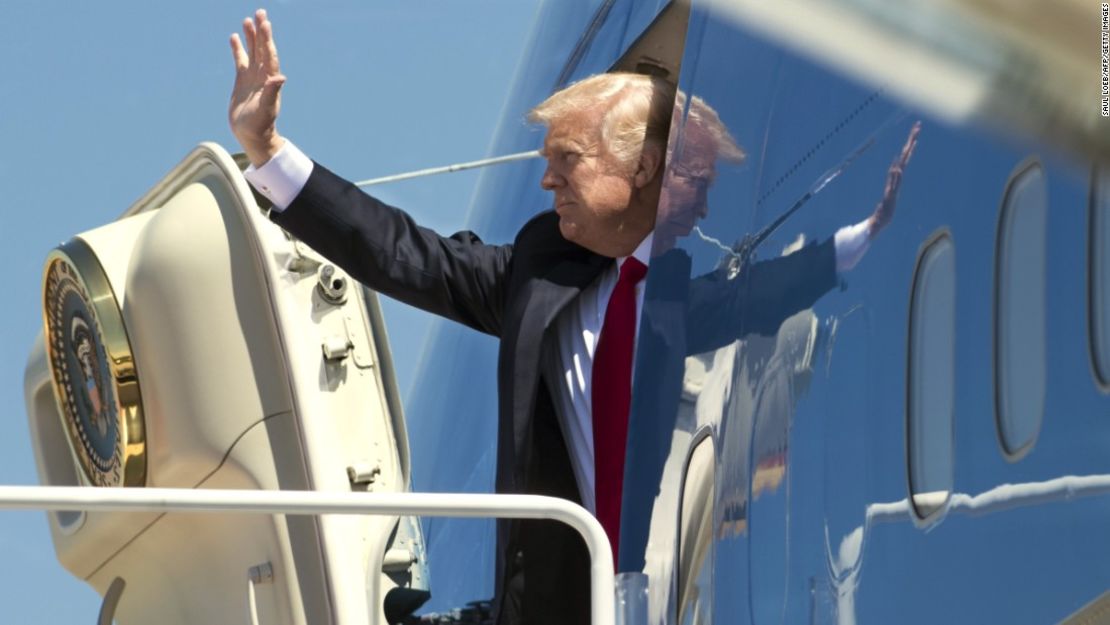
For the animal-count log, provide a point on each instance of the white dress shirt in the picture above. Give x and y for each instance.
(567, 359)
(282, 177)
(568, 363)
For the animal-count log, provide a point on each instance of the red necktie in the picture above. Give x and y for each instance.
(611, 394)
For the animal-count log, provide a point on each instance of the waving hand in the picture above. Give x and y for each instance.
(256, 97)
(884, 212)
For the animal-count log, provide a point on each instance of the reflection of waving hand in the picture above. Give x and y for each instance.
(256, 97)
(884, 212)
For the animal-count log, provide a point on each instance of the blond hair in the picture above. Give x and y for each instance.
(636, 110)
(704, 118)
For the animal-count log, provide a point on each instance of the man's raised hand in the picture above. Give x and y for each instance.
(884, 212)
(256, 97)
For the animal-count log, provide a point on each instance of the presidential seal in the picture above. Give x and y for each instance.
(95, 380)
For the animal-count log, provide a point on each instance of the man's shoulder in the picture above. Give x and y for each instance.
(543, 225)
(541, 234)
(540, 245)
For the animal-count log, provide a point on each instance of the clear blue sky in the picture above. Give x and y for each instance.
(99, 100)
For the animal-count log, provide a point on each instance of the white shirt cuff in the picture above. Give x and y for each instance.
(281, 178)
(851, 243)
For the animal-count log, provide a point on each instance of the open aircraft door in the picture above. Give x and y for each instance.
(193, 344)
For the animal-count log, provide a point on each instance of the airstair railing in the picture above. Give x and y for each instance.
(602, 605)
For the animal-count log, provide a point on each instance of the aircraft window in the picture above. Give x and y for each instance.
(1019, 307)
(929, 404)
(1098, 260)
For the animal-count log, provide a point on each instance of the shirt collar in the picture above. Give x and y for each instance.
(642, 252)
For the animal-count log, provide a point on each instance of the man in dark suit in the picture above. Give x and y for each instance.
(564, 296)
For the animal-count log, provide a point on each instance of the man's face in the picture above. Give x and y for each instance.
(683, 201)
(593, 188)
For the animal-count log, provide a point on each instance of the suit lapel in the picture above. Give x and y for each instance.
(546, 297)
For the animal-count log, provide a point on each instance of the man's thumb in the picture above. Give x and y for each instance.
(272, 88)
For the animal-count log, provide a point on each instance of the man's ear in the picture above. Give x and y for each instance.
(649, 165)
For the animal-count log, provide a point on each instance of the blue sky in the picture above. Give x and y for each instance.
(99, 100)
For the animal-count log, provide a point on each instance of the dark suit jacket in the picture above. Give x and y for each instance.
(510, 291)
(513, 292)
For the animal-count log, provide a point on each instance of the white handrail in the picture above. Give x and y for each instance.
(602, 608)
(447, 169)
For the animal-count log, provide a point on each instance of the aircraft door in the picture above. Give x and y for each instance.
(192, 344)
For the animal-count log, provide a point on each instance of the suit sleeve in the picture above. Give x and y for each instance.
(457, 277)
(760, 298)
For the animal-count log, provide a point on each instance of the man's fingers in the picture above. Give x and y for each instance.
(242, 62)
(884, 212)
(909, 152)
(259, 48)
(911, 143)
(250, 33)
(266, 46)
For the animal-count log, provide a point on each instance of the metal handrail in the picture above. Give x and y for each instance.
(447, 169)
(602, 605)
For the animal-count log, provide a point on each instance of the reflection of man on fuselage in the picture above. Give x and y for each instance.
(722, 306)
(549, 296)
(725, 320)
(683, 315)
(693, 149)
